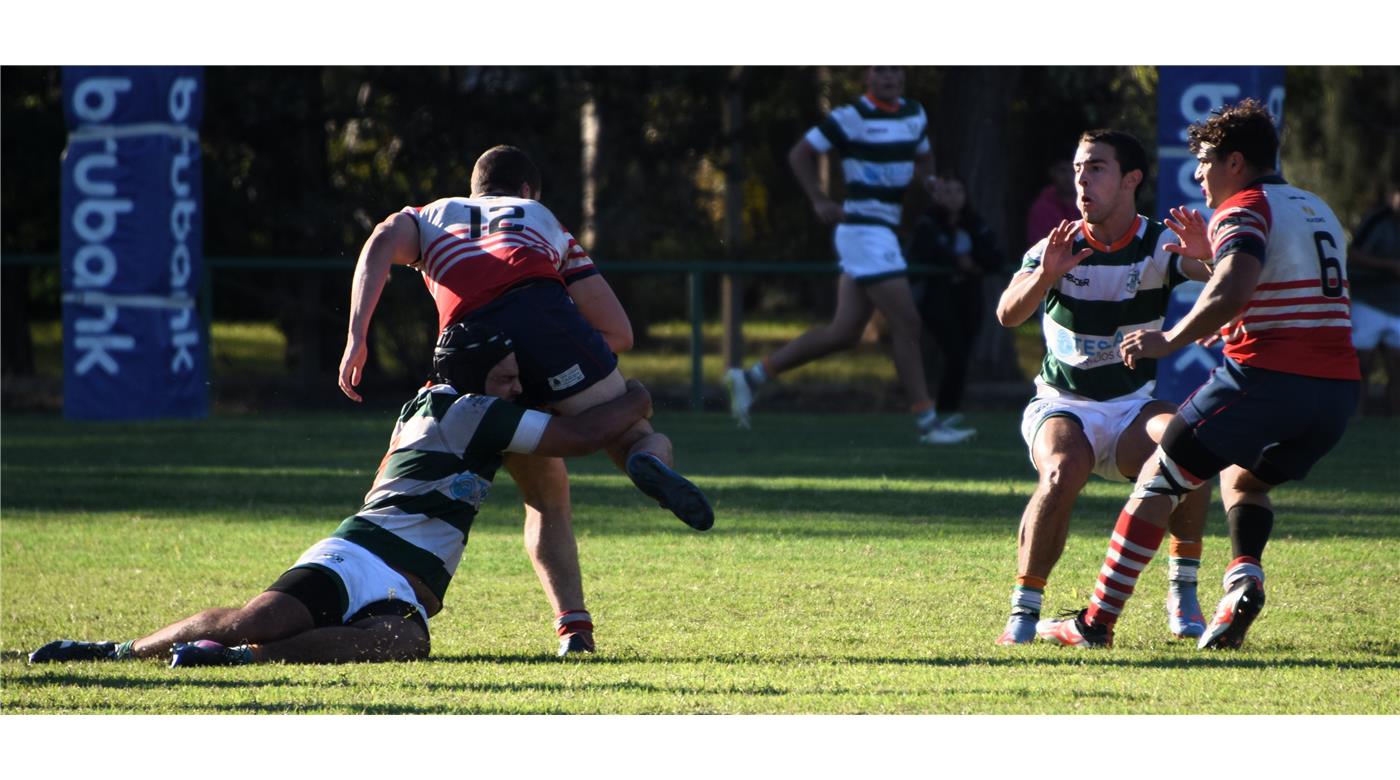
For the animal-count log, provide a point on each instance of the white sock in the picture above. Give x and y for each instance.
(756, 374)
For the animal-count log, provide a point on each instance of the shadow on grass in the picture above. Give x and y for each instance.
(1011, 659)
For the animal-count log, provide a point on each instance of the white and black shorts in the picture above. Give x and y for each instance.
(1103, 422)
(341, 582)
(869, 253)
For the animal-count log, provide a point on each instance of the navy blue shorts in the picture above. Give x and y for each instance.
(559, 353)
(1276, 425)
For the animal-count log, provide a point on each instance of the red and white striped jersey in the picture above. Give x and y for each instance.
(1299, 318)
(471, 250)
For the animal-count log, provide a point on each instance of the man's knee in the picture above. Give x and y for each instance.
(1179, 465)
(1064, 471)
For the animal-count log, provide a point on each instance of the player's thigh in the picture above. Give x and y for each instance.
(853, 308)
(1061, 452)
(1139, 437)
(893, 297)
(273, 614)
(604, 390)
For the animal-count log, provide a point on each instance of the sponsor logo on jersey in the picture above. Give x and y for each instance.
(469, 488)
(1076, 281)
(1134, 279)
(566, 379)
(1084, 351)
(333, 557)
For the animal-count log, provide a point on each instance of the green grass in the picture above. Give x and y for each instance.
(849, 571)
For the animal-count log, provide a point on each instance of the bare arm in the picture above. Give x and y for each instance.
(595, 428)
(924, 171)
(804, 159)
(1224, 297)
(1360, 258)
(394, 241)
(1026, 290)
(599, 305)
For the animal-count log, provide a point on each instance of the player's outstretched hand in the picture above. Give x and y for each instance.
(1057, 259)
(1190, 230)
(1144, 344)
(352, 366)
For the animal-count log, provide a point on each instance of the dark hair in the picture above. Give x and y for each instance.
(1126, 147)
(1246, 127)
(465, 353)
(502, 169)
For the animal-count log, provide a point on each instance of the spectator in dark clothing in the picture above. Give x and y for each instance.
(954, 239)
(1373, 265)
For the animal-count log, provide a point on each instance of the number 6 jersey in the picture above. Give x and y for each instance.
(1298, 320)
(472, 250)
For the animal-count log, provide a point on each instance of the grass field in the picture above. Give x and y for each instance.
(849, 571)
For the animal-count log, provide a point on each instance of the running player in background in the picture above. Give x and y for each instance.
(882, 140)
(1099, 278)
(501, 258)
(1279, 299)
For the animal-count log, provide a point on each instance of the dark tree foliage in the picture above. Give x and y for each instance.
(304, 161)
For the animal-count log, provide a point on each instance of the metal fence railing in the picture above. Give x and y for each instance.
(696, 272)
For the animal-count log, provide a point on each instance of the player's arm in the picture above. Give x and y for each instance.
(1028, 288)
(394, 241)
(924, 170)
(1360, 258)
(599, 305)
(1224, 297)
(596, 427)
(804, 160)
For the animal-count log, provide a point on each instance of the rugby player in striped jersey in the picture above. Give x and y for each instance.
(1279, 299)
(500, 257)
(366, 592)
(1098, 278)
(883, 143)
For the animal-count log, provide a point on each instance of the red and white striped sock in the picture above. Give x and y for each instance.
(1243, 566)
(573, 621)
(1130, 549)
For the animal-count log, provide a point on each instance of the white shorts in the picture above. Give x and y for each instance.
(869, 253)
(1372, 327)
(364, 575)
(1103, 423)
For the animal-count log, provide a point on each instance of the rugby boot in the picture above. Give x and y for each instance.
(1236, 611)
(206, 652)
(740, 396)
(942, 433)
(69, 650)
(1184, 618)
(576, 644)
(1070, 630)
(671, 490)
(1020, 628)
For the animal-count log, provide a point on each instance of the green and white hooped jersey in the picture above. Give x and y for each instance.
(877, 151)
(442, 457)
(1113, 292)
